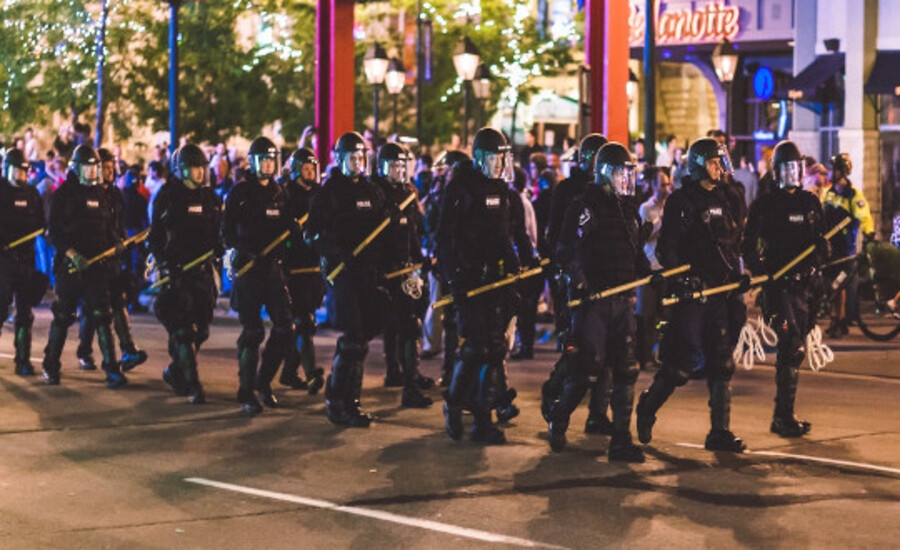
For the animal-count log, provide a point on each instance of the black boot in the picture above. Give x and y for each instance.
(649, 402)
(720, 437)
(290, 371)
(114, 377)
(56, 340)
(451, 346)
(557, 432)
(573, 390)
(504, 396)
(23, 350)
(248, 358)
(174, 379)
(85, 352)
(784, 423)
(622, 449)
(484, 431)
(358, 419)
(598, 422)
(185, 357)
(272, 356)
(131, 355)
(409, 361)
(453, 422)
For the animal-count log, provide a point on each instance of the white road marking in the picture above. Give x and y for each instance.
(835, 462)
(446, 528)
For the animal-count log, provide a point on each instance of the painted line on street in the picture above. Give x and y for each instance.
(446, 528)
(821, 460)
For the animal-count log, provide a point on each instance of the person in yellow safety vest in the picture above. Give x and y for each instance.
(840, 201)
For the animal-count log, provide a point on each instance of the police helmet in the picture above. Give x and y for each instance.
(492, 154)
(85, 164)
(841, 163)
(352, 155)
(451, 159)
(299, 158)
(702, 152)
(187, 157)
(261, 149)
(588, 149)
(788, 165)
(393, 162)
(15, 167)
(615, 169)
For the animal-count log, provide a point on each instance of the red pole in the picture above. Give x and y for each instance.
(606, 53)
(335, 64)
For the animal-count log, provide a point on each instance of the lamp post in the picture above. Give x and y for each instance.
(394, 81)
(375, 65)
(725, 62)
(466, 59)
(481, 86)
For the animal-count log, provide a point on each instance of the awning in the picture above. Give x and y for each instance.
(809, 84)
(885, 75)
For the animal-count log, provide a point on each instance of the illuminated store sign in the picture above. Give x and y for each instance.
(710, 23)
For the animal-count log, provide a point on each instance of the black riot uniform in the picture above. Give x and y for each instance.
(83, 224)
(256, 215)
(346, 211)
(122, 285)
(700, 228)
(408, 295)
(599, 248)
(780, 226)
(21, 214)
(301, 268)
(563, 196)
(186, 222)
(475, 246)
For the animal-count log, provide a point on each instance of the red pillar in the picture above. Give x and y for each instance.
(607, 52)
(334, 73)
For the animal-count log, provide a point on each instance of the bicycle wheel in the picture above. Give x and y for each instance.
(876, 320)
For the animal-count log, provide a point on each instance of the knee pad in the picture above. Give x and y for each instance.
(184, 335)
(488, 386)
(62, 316)
(625, 374)
(471, 353)
(251, 337)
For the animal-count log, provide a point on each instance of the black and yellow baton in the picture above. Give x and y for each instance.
(25, 239)
(270, 247)
(304, 270)
(110, 252)
(368, 240)
(496, 284)
(187, 267)
(628, 286)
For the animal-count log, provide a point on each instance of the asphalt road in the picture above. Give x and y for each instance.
(86, 467)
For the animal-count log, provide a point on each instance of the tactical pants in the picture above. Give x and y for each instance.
(359, 308)
(89, 289)
(604, 334)
(15, 278)
(261, 286)
(479, 375)
(185, 308)
(788, 309)
(306, 291)
(121, 321)
(401, 332)
(706, 331)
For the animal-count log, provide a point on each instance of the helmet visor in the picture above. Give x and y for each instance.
(265, 166)
(395, 170)
(725, 159)
(88, 174)
(623, 178)
(309, 173)
(355, 163)
(17, 176)
(790, 174)
(196, 175)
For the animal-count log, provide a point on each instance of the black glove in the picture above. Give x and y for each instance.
(120, 247)
(657, 281)
(170, 271)
(823, 247)
(77, 262)
(458, 292)
(687, 286)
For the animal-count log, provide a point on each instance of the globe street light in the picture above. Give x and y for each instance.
(481, 85)
(375, 65)
(466, 59)
(725, 62)
(394, 81)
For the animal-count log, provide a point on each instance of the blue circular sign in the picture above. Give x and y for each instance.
(764, 83)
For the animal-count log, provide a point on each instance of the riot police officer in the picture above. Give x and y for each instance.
(185, 226)
(21, 214)
(780, 226)
(256, 214)
(301, 267)
(563, 195)
(402, 249)
(122, 284)
(343, 214)
(475, 246)
(83, 224)
(699, 228)
(600, 247)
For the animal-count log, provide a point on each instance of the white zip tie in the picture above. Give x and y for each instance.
(817, 353)
(749, 349)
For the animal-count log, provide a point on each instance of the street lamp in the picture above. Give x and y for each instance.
(394, 81)
(466, 59)
(481, 86)
(375, 65)
(725, 62)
